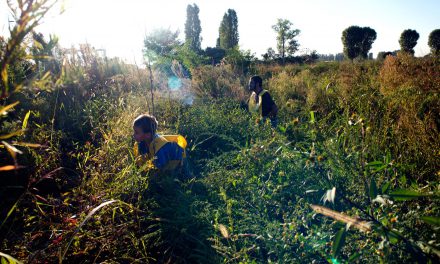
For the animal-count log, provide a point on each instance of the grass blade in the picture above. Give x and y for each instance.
(25, 121)
(10, 259)
(4, 110)
(433, 220)
(405, 195)
(89, 215)
(338, 242)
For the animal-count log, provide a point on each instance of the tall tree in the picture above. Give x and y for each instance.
(357, 41)
(286, 42)
(434, 41)
(228, 31)
(193, 28)
(408, 40)
(160, 42)
(159, 46)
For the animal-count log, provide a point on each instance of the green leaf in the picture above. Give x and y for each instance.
(385, 187)
(373, 188)
(388, 157)
(312, 117)
(354, 257)
(432, 220)
(402, 180)
(404, 195)
(393, 236)
(5, 258)
(25, 120)
(375, 163)
(8, 259)
(338, 242)
(9, 213)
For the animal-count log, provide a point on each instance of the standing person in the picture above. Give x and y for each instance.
(163, 152)
(261, 102)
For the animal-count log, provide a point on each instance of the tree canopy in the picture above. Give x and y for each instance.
(286, 42)
(357, 41)
(434, 41)
(408, 40)
(228, 31)
(193, 28)
(160, 42)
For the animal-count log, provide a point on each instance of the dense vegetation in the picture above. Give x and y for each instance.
(359, 138)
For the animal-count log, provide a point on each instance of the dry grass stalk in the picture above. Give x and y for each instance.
(356, 222)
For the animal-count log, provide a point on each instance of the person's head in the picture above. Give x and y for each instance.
(255, 83)
(144, 127)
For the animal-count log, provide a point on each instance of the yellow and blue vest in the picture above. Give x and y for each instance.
(254, 106)
(165, 152)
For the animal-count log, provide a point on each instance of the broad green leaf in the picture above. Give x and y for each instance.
(338, 242)
(312, 117)
(432, 220)
(404, 195)
(373, 188)
(385, 187)
(25, 120)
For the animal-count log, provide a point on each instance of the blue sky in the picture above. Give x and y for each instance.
(119, 26)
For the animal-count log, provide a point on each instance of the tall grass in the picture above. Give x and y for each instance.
(359, 138)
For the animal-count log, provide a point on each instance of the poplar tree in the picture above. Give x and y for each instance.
(228, 31)
(193, 28)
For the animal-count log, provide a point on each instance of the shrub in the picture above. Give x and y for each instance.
(217, 82)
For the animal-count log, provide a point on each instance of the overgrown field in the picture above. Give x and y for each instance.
(359, 138)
